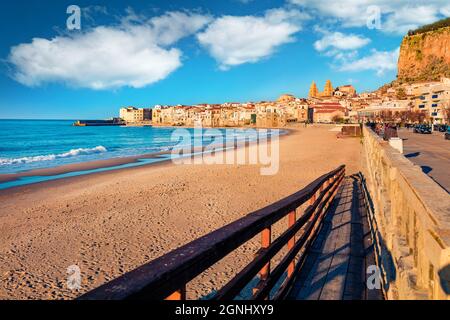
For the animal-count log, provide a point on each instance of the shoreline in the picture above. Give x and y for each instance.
(110, 165)
(112, 222)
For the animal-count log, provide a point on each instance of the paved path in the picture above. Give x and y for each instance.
(431, 152)
(335, 268)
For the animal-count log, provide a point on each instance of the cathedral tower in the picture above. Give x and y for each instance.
(328, 91)
(313, 92)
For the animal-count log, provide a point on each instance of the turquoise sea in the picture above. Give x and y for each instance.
(36, 144)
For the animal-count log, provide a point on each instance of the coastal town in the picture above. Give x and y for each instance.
(419, 102)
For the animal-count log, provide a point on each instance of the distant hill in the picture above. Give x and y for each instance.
(425, 53)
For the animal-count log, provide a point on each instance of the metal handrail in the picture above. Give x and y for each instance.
(166, 277)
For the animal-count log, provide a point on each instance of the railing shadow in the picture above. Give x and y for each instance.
(310, 280)
(426, 169)
(384, 258)
(412, 155)
(444, 278)
(340, 257)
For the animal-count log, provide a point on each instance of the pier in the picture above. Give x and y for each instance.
(99, 123)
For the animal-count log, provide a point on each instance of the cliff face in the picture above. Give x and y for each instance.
(425, 56)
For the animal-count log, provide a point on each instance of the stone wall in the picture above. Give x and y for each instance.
(410, 219)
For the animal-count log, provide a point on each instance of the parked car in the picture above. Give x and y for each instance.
(447, 134)
(422, 128)
(442, 128)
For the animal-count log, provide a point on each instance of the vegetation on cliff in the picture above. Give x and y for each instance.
(431, 27)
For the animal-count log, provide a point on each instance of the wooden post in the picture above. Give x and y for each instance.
(291, 221)
(266, 240)
(312, 199)
(327, 183)
(178, 295)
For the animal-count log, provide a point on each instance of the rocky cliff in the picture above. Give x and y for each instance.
(425, 56)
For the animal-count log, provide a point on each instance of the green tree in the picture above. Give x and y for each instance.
(401, 94)
(337, 119)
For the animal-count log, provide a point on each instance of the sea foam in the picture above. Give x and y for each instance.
(49, 157)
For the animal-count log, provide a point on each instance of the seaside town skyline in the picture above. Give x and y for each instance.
(425, 101)
(203, 57)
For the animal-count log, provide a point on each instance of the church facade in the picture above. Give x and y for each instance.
(327, 91)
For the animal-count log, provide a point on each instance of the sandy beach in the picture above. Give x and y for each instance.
(111, 222)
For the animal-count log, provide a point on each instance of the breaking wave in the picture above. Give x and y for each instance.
(49, 157)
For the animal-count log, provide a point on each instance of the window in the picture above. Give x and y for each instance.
(434, 105)
(434, 96)
(421, 106)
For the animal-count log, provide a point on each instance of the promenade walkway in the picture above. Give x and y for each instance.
(325, 252)
(335, 268)
(335, 262)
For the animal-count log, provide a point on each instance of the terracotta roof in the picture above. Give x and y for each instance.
(319, 104)
(327, 110)
(328, 106)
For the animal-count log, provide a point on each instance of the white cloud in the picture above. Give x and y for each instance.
(134, 53)
(445, 11)
(339, 46)
(379, 61)
(233, 40)
(173, 26)
(409, 18)
(340, 41)
(397, 16)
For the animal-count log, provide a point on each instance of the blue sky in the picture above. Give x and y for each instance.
(144, 53)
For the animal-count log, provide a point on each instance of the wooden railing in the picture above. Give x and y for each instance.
(167, 276)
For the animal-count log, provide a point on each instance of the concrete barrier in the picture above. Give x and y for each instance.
(410, 219)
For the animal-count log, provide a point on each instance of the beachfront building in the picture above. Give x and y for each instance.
(163, 115)
(295, 111)
(247, 114)
(269, 115)
(270, 120)
(433, 98)
(135, 115)
(328, 112)
(287, 108)
(156, 114)
(180, 115)
(375, 110)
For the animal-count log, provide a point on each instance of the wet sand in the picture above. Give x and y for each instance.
(111, 222)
